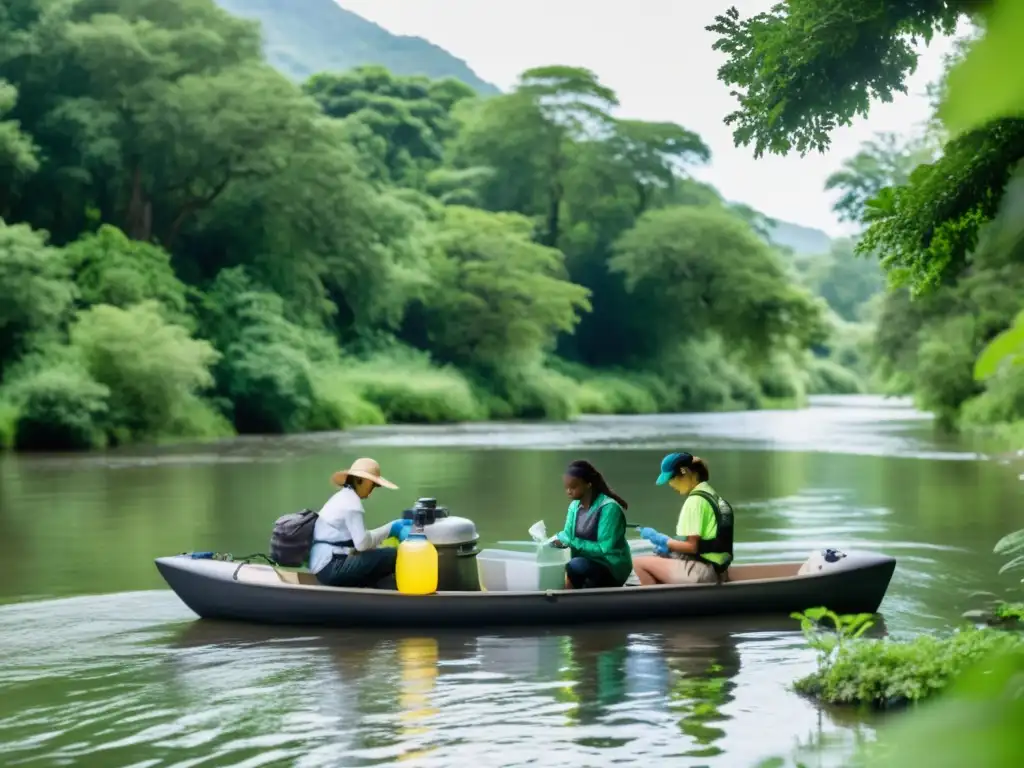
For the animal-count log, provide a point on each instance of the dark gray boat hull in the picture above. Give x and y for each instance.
(213, 590)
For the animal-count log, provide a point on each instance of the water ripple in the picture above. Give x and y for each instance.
(143, 687)
(132, 679)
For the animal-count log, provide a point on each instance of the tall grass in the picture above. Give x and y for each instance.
(397, 384)
(406, 389)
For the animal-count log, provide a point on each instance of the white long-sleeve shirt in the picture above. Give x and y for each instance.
(341, 519)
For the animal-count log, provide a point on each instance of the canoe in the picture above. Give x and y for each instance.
(251, 592)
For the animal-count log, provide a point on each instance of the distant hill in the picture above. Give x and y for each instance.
(803, 240)
(303, 37)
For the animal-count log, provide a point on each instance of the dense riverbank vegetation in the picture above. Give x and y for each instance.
(193, 245)
(944, 218)
(942, 212)
(884, 673)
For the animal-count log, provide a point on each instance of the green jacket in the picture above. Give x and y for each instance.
(610, 547)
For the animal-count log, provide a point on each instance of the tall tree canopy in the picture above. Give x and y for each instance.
(807, 67)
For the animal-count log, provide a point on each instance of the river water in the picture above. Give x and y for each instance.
(101, 665)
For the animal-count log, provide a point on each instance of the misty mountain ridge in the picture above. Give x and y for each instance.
(304, 37)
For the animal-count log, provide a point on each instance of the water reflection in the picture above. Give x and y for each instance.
(601, 689)
(150, 689)
(418, 660)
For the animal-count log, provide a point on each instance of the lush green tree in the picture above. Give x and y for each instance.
(886, 161)
(928, 229)
(36, 291)
(337, 249)
(18, 153)
(111, 89)
(654, 156)
(551, 150)
(927, 345)
(851, 53)
(948, 231)
(501, 299)
(59, 407)
(265, 374)
(110, 268)
(709, 269)
(529, 138)
(807, 67)
(154, 370)
(845, 280)
(401, 123)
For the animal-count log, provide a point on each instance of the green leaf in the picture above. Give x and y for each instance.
(1007, 345)
(975, 722)
(1010, 544)
(1017, 562)
(989, 82)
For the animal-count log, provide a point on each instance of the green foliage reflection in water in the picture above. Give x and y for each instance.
(698, 699)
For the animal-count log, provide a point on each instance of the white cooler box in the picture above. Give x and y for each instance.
(504, 570)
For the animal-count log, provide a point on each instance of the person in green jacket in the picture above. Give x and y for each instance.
(595, 531)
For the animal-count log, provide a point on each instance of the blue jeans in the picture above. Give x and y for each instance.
(373, 568)
(584, 573)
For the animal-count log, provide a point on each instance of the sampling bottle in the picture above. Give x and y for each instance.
(416, 567)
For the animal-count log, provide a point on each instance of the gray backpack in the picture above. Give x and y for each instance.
(292, 538)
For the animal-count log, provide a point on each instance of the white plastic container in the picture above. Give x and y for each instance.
(502, 570)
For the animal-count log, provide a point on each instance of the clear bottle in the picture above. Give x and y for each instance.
(416, 567)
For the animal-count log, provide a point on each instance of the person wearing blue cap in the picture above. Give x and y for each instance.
(701, 551)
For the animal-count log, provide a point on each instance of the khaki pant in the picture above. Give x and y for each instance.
(691, 572)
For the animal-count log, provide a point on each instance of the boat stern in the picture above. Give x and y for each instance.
(862, 580)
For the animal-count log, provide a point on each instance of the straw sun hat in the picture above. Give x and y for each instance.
(365, 468)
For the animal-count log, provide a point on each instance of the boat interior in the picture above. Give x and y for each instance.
(265, 574)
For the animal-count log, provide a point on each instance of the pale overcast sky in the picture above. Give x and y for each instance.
(658, 58)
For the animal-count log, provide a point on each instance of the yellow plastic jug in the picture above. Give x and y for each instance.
(416, 567)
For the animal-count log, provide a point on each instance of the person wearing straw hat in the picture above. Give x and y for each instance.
(344, 552)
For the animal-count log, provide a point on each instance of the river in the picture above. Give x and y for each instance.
(101, 665)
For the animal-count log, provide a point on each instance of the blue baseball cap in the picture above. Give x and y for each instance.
(671, 465)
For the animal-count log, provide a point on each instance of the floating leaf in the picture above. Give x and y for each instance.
(989, 82)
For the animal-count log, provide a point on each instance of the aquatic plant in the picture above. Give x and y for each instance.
(886, 673)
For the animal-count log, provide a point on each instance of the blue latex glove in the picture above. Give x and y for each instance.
(400, 529)
(659, 540)
(562, 538)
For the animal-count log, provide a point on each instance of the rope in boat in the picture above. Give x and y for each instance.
(229, 558)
